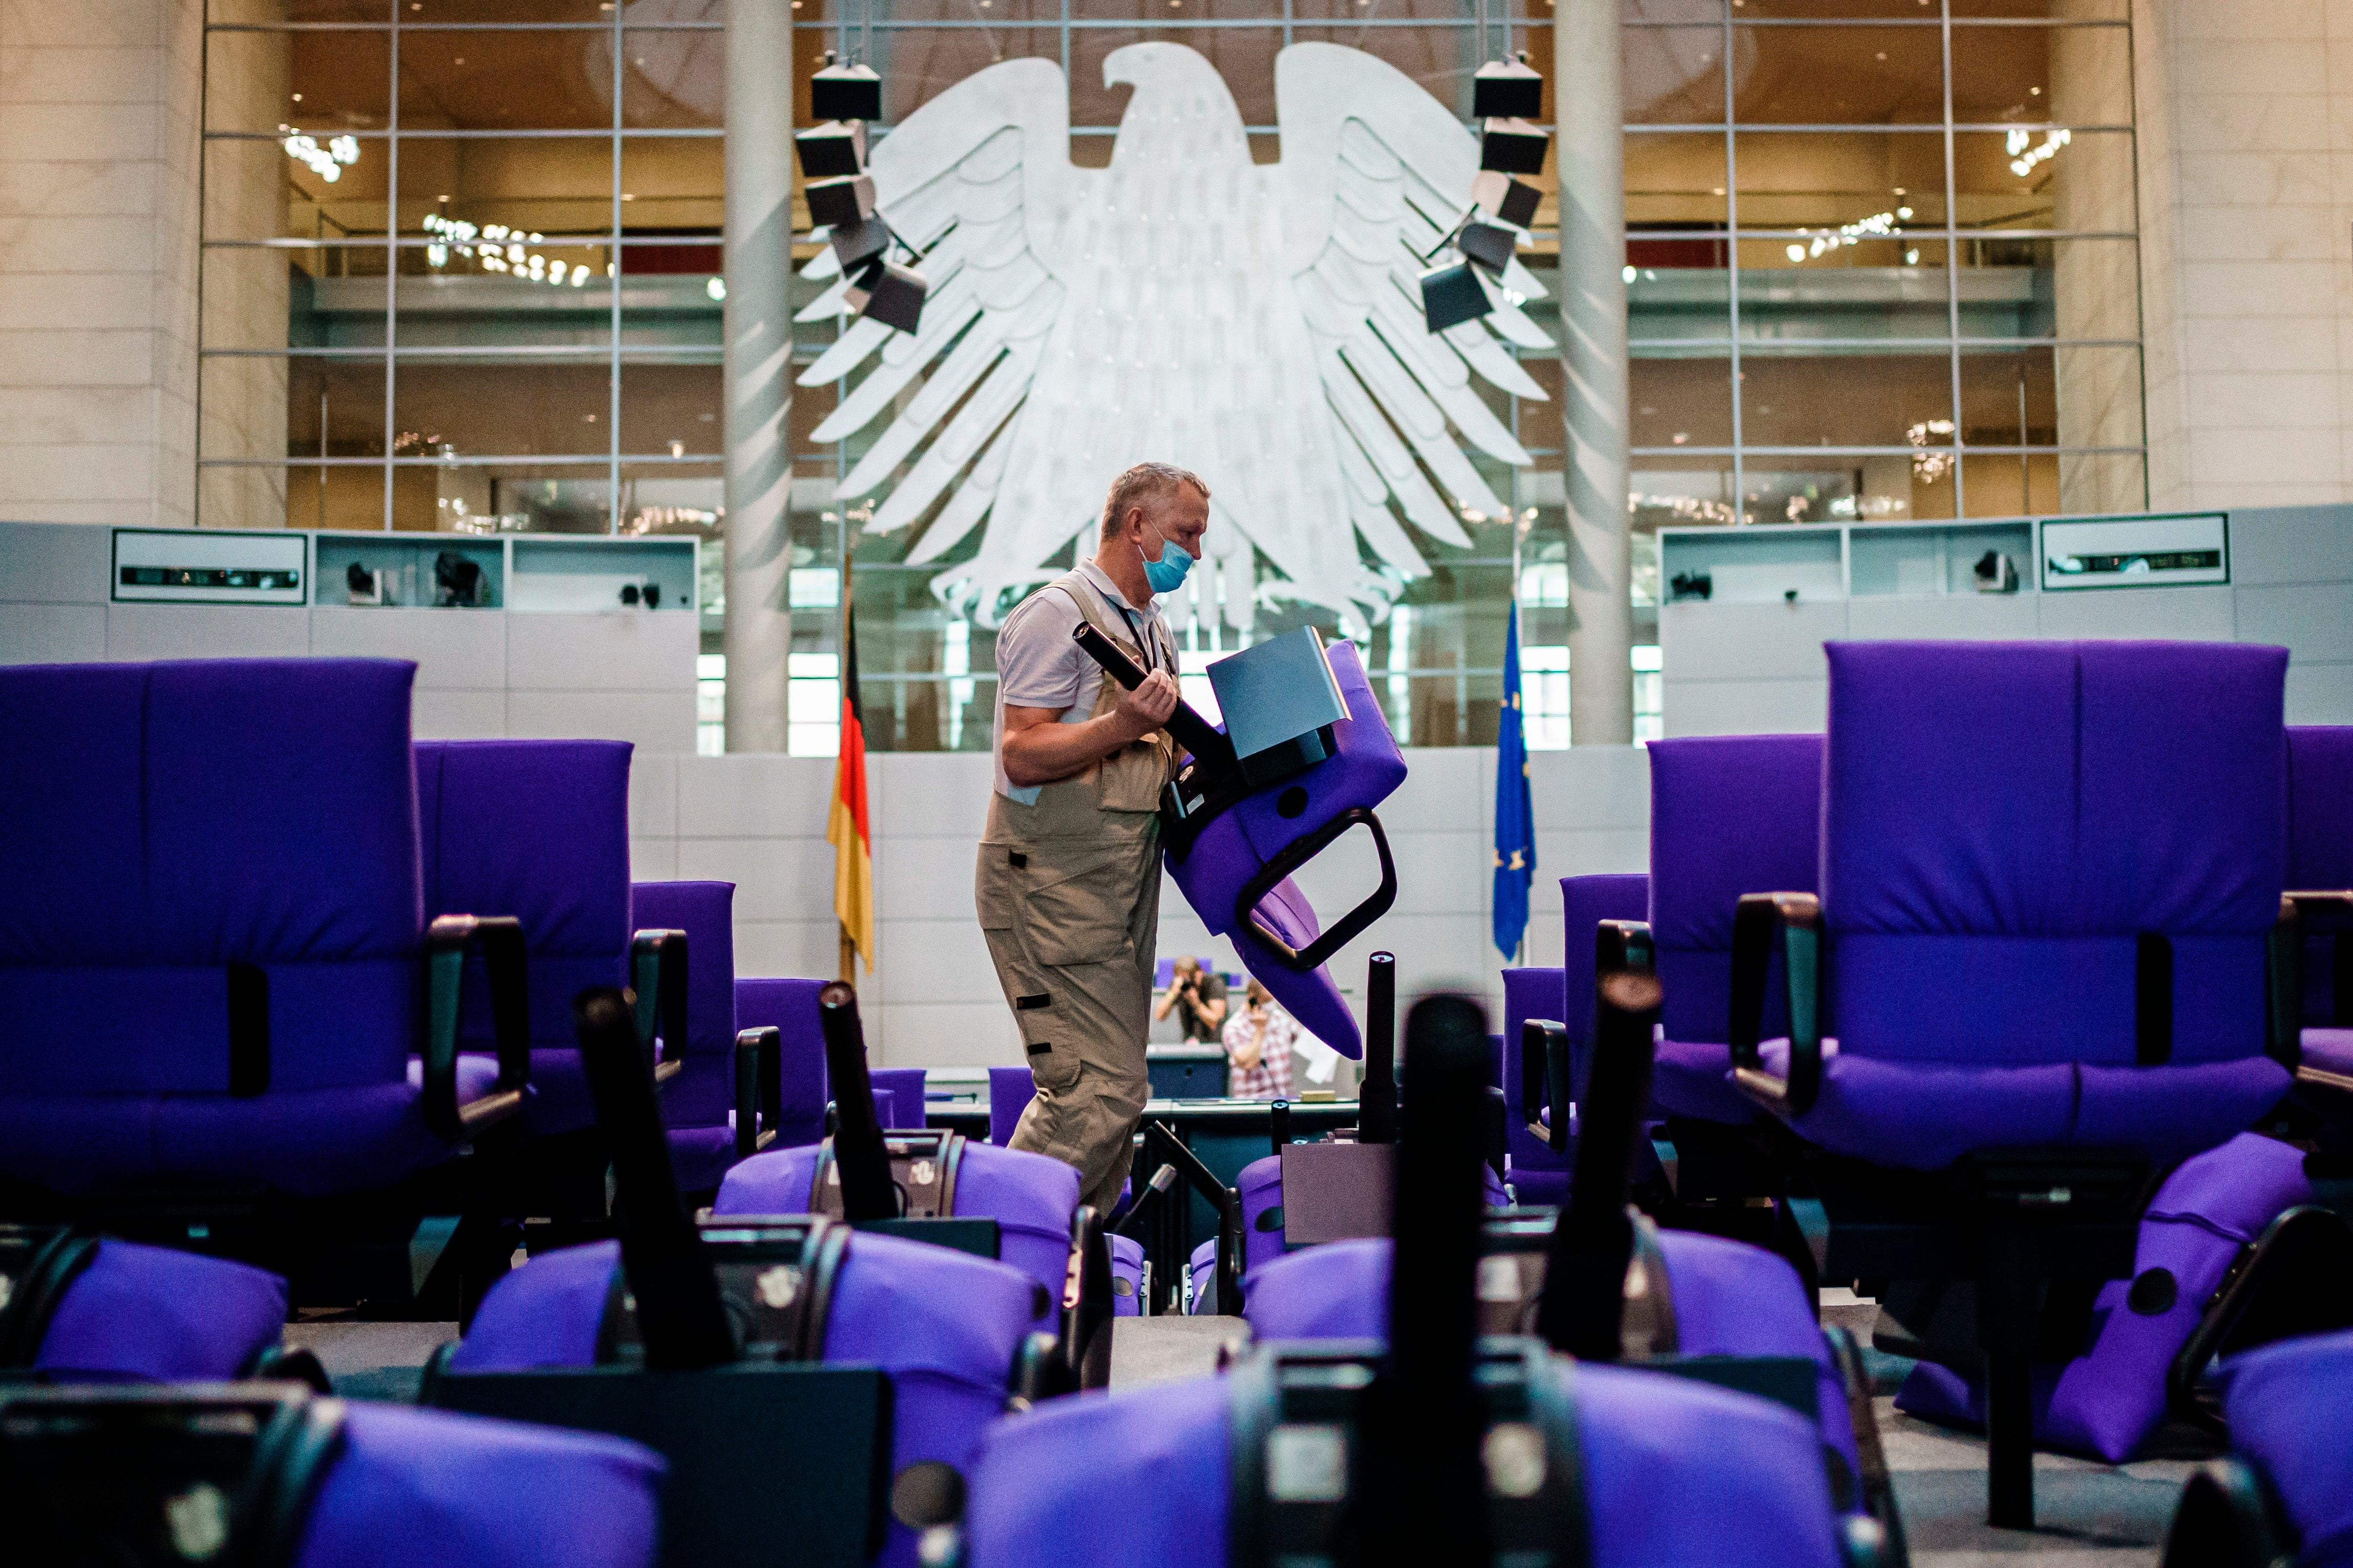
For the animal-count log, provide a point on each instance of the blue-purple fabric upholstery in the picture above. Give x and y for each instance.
(2109, 1401)
(789, 1006)
(176, 818)
(697, 1102)
(1729, 815)
(1745, 1477)
(2286, 1405)
(1126, 1268)
(898, 1098)
(1539, 1175)
(156, 1315)
(1730, 1299)
(1365, 770)
(1992, 850)
(2320, 846)
(1031, 1196)
(945, 1326)
(1011, 1090)
(415, 1486)
(540, 830)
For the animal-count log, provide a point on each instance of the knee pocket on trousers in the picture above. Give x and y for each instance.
(1073, 907)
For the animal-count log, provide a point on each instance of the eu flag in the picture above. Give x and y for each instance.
(1515, 828)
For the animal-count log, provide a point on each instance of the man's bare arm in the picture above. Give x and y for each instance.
(1039, 750)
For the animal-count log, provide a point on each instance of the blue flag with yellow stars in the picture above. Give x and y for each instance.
(1515, 826)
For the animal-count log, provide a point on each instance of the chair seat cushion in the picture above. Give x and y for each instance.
(1745, 1476)
(1923, 1117)
(156, 1314)
(414, 1487)
(2285, 1404)
(306, 1144)
(702, 1156)
(1693, 1078)
(2330, 1050)
(1031, 1196)
(1126, 1276)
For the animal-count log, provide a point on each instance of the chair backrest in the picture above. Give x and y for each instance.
(898, 1097)
(789, 1006)
(2004, 823)
(212, 866)
(540, 830)
(1365, 769)
(1011, 1090)
(705, 911)
(2320, 843)
(1533, 993)
(1729, 815)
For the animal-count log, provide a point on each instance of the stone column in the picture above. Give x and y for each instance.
(1591, 153)
(2094, 282)
(758, 378)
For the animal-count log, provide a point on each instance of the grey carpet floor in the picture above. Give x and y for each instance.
(2088, 1515)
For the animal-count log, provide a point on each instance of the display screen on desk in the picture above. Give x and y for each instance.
(2136, 551)
(210, 566)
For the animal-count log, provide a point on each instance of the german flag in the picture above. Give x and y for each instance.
(846, 825)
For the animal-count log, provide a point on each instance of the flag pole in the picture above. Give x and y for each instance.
(842, 596)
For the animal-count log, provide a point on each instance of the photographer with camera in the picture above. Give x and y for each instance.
(1198, 996)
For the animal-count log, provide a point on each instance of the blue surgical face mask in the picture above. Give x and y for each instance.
(1167, 574)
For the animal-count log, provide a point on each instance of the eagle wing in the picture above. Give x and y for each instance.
(1374, 172)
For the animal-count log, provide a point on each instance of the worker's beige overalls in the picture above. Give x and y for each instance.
(1069, 895)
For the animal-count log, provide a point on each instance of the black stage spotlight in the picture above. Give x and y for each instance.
(855, 92)
(842, 203)
(1504, 90)
(1505, 199)
(832, 149)
(1490, 246)
(889, 294)
(1451, 295)
(860, 242)
(1513, 147)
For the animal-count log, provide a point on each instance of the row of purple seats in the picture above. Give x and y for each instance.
(1437, 1446)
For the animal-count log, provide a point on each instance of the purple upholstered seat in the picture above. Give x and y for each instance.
(1730, 1299)
(1994, 847)
(176, 820)
(1126, 1276)
(2320, 856)
(1746, 1477)
(415, 1486)
(789, 1006)
(540, 830)
(898, 1097)
(2108, 1401)
(1031, 1196)
(1364, 770)
(151, 1313)
(1539, 1175)
(1259, 1185)
(1729, 815)
(944, 1325)
(2286, 1405)
(1011, 1090)
(696, 1103)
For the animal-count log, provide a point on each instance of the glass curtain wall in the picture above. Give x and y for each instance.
(1881, 257)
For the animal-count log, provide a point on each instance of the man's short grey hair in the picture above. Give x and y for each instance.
(1145, 484)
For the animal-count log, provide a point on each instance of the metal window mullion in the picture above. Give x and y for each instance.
(613, 350)
(1732, 267)
(391, 261)
(1953, 261)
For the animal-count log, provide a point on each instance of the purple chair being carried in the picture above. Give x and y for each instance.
(793, 1371)
(221, 886)
(1441, 1445)
(2030, 977)
(271, 1475)
(2284, 1496)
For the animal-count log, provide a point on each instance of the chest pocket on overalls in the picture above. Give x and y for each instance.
(1071, 902)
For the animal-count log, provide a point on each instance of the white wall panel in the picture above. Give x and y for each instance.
(1746, 707)
(655, 860)
(620, 650)
(653, 795)
(2312, 620)
(54, 563)
(2320, 693)
(652, 722)
(756, 795)
(52, 633)
(2197, 614)
(776, 878)
(457, 715)
(2291, 544)
(454, 651)
(1979, 617)
(206, 631)
(1748, 642)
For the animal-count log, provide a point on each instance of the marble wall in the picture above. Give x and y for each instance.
(98, 105)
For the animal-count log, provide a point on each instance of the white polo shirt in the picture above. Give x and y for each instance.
(1038, 664)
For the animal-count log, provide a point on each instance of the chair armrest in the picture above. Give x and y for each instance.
(1621, 946)
(757, 1054)
(1544, 1080)
(1794, 920)
(657, 975)
(448, 940)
